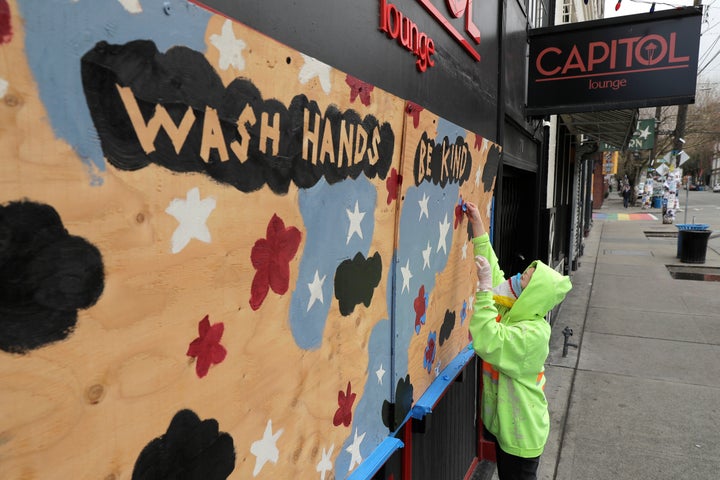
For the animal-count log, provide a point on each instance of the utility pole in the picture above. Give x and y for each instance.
(681, 118)
(653, 151)
(679, 132)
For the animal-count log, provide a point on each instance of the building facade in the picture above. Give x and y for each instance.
(249, 220)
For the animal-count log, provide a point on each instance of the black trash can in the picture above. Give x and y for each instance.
(693, 245)
(688, 226)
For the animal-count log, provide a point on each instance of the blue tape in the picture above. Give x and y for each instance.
(437, 388)
(377, 459)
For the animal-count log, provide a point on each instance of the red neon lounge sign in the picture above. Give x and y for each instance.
(457, 9)
(396, 25)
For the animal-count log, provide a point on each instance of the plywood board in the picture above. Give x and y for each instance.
(218, 224)
(443, 167)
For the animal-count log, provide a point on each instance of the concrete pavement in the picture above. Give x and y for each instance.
(639, 398)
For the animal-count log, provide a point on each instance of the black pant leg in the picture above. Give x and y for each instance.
(511, 467)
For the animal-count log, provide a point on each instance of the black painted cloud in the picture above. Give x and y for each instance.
(442, 163)
(490, 169)
(355, 281)
(393, 415)
(271, 136)
(190, 450)
(46, 275)
(447, 326)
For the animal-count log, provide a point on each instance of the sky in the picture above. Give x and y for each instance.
(709, 65)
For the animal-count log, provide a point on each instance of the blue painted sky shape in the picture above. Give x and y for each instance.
(419, 232)
(329, 241)
(367, 417)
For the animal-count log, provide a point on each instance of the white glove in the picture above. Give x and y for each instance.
(484, 273)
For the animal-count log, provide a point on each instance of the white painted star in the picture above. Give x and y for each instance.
(426, 256)
(407, 275)
(644, 133)
(437, 368)
(424, 207)
(380, 372)
(464, 250)
(478, 176)
(325, 465)
(132, 6)
(315, 288)
(444, 228)
(191, 213)
(354, 450)
(485, 146)
(355, 220)
(315, 68)
(265, 449)
(230, 48)
(3, 87)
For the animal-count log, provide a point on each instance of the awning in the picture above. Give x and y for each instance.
(615, 127)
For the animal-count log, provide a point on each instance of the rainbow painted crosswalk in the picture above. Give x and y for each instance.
(624, 216)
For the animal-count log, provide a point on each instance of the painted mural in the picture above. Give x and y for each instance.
(434, 287)
(210, 244)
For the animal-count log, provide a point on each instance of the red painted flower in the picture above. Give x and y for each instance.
(430, 351)
(459, 211)
(413, 109)
(420, 304)
(358, 87)
(5, 25)
(344, 412)
(478, 142)
(206, 348)
(271, 258)
(393, 183)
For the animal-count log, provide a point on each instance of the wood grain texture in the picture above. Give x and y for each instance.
(86, 407)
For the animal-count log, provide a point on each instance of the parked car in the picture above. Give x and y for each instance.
(716, 188)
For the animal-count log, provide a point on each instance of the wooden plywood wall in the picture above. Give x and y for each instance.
(203, 233)
(443, 167)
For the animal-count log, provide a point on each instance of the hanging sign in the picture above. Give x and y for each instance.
(642, 139)
(626, 62)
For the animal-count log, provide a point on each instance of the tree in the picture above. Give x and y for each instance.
(702, 132)
(699, 129)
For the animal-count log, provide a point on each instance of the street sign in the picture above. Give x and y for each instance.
(643, 138)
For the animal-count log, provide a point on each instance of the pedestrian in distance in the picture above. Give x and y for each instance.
(626, 192)
(511, 336)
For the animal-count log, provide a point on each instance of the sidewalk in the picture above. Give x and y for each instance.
(639, 398)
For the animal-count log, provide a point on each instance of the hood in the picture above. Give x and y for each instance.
(546, 289)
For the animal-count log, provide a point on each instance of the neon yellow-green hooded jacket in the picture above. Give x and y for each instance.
(513, 343)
